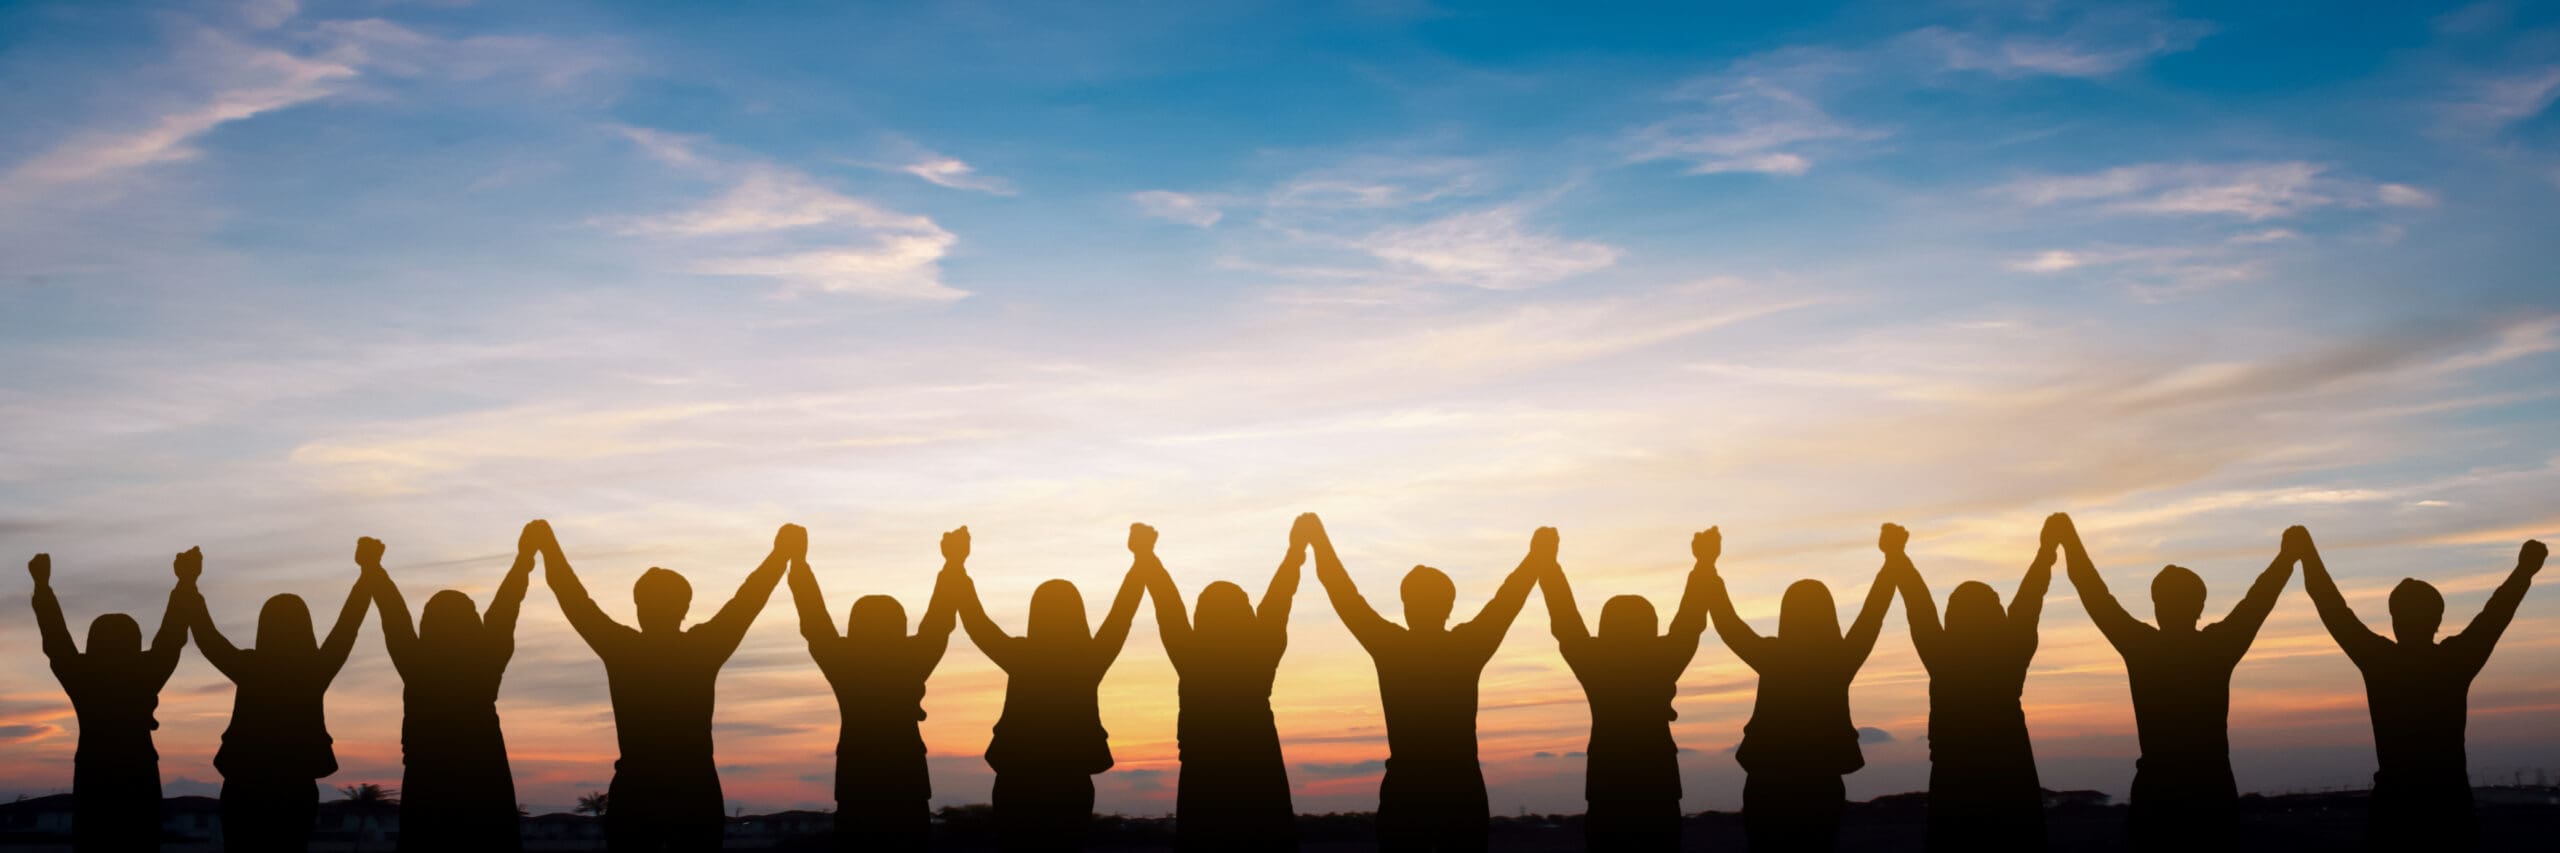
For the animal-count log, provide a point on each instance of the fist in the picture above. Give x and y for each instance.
(1142, 539)
(1543, 545)
(792, 541)
(955, 544)
(536, 536)
(2531, 557)
(2297, 541)
(1707, 545)
(368, 552)
(1304, 531)
(2057, 530)
(189, 564)
(41, 568)
(1892, 538)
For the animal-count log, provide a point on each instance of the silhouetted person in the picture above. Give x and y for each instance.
(2183, 795)
(1234, 790)
(114, 689)
(278, 746)
(1049, 741)
(1799, 741)
(2419, 690)
(1983, 789)
(878, 671)
(666, 790)
(456, 792)
(1629, 674)
(1433, 795)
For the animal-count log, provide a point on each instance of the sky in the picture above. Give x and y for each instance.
(275, 276)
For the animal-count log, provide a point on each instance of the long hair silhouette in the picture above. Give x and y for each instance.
(1049, 741)
(1432, 797)
(1234, 789)
(2419, 690)
(1799, 742)
(878, 673)
(662, 678)
(1983, 789)
(456, 792)
(114, 688)
(2184, 797)
(1629, 675)
(278, 743)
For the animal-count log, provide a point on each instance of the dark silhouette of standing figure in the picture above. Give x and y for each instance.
(278, 746)
(1799, 742)
(455, 792)
(2419, 690)
(2183, 795)
(1049, 740)
(878, 671)
(1630, 675)
(114, 689)
(1234, 789)
(1433, 795)
(663, 676)
(1983, 789)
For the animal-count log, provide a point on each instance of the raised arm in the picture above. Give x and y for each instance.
(1917, 602)
(1172, 623)
(2358, 641)
(217, 649)
(1862, 634)
(815, 625)
(172, 638)
(727, 628)
(2246, 617)
(1363, 621)
(1736, 634)
(1690, 621)
(399, 634)
(342, 636)
(581, 611)
(2118, 626)
(1114, 632)
(57, 635)
(984, 633)
(2026, 606)
(1273, 612)
(2477, 640)
(1564, 615)
(1494, 620)
(498, 623)
(933, 632)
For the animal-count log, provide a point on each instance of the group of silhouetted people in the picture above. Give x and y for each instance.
(1234, 789)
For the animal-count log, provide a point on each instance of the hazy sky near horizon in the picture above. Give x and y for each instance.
(274, 276)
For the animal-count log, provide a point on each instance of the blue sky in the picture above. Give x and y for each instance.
(276, 275)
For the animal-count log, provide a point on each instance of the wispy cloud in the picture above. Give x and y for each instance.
(2101, 41)
(1491, 248)
(1185, 208)
(782, 224)
(951, 172)
(238, 81)
(1759, 116)
(2251, 191)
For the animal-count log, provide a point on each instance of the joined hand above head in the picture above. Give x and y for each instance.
(1543, 545)
(1891, 538)
(2533, 554)
(536, 536)
(1142, 540)
(1304, 530)
(188, 564)
(2057, 530)
(2297, 542)
(368, 553)
(955, 545)
(1707, 545)
(791, 542)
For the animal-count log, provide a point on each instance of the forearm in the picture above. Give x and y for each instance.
(811, 604)
(55, 631)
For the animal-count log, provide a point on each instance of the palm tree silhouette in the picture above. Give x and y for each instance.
(593, 803)
(368, 801)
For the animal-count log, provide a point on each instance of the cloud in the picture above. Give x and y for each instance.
(1172, 206)
(2249, 191)
(2486, 104)
(1871, 735)
(782, 224)
(1342, 770)
(2102, 43)
(1760, 116)
(951, 172)
(1489, 248)
(238, 81)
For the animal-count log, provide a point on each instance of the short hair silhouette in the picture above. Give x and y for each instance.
(878, 672)
(662, 678)
(1233, 792)
(457, 791)
(114, 687)
(2177, 597)
(2419, 692)
(1984, 793)
(1049, 739)
(278, 742)
(1629, 676)
(1432, 797)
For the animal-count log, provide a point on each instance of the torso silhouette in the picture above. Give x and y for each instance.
(1630, 686)
(451, 693)
(277, 727)
(662, 685)
(2181, 683)
(1052, 719)
(1225, 687)
(2420, 696)
(1975, 716)
(1800, 719)
(116, 703)
(1427, 691)
(880, 691)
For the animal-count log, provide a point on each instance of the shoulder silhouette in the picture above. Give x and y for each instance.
(1049, 740)
(878, 672)
(1233, 793)
(456, 791)
(1433, 796)
(2419, 691)
(661, 677)
(278, 742)
(1799, 741)
(1629, 675)
(1983, 789)
(114, 686)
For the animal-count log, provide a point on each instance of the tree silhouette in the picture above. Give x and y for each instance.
(368, 801)
(593, 803)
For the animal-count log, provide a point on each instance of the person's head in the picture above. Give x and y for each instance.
(2177, 598)
(450, 618)
(115, 635)
(663, 597)
(876, 619)
(2417, 610)
(284, 625)
(1627, 618)
(1057, 613)
(1806, 613)
(1223, 610)
(1428, 597)
(1974, 610)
